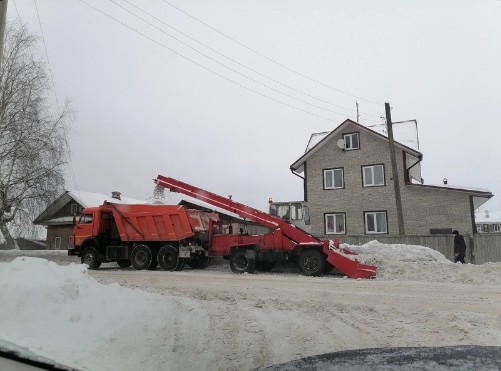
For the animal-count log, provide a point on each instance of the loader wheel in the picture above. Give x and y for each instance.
(199, 262)
(264, 266)
(168, 258)
(124, 263)
(242, 261)
(91, 258)
(141, 257)
(312, 262)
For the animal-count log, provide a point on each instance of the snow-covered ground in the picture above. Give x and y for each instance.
(122, 319)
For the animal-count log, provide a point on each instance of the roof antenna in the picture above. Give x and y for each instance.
(358, 114)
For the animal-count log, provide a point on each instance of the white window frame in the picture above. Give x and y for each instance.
(74, 209)
(497, 227)
(371, 182)
(348, 141)
(332, 174)
(335, 220)
(479, 228)
(57, 243)
(377, 228)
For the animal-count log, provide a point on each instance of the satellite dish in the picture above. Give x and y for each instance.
(341, 144)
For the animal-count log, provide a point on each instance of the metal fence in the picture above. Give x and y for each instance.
(480, 248)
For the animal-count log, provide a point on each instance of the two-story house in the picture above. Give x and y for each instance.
(349, 189)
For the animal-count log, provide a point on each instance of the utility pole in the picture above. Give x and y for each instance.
(358, 115)
(3, 17)
(396, 184)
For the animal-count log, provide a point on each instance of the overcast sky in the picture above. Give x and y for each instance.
(231, 103)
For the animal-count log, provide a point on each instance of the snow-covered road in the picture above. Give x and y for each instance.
(215, 320)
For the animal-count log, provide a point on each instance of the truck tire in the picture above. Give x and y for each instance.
(91, 257)
(181, 262)
(243, 261)
(168, 258)
(124, 263)
(141, 257)
(312, 262)
(199, 262)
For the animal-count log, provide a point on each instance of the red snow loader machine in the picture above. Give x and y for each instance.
(248, 253)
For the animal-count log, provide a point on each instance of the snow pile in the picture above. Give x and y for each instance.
(420, 263)
(65, 315)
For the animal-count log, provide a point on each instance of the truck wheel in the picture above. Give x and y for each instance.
(264, 266)
(242, 261)
(199, 262)
(91, 258)
(168, 258)
(141, 257)
(124, 263)
(312, 262)
(181, 262)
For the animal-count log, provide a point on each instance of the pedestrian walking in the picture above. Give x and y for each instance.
(459, 247)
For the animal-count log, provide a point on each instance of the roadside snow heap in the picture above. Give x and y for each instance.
(420, 263)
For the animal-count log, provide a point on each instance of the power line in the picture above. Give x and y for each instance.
(205, 68)
(47, 55)
(17, 11)
(267, 58)
(227, 57)
(226, 66)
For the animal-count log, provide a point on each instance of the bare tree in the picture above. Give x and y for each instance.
(33, 140)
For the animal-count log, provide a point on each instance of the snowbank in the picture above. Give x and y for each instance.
(420, 263)
(63, 314)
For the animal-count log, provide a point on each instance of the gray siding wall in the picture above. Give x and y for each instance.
(423, 208)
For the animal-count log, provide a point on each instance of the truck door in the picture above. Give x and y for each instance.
(84, 228)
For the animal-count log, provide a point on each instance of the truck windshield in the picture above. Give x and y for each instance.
(85, 219)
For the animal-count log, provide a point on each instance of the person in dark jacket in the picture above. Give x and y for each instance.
(459, 248)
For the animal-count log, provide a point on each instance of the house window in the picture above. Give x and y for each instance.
(497, 227)
(486, 228)
(373, 175)
(333, 178)
(351, 141)
(479, 228)
(335, 223)
(57, 243)
(375, 222)
(74, 209)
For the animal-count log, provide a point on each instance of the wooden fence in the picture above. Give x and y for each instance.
(480, 248)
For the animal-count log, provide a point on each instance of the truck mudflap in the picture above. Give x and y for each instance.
(345, 261)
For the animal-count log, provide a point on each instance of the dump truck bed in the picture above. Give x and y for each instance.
(158, 222)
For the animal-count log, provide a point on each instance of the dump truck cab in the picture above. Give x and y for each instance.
(296, 213)
(95, 225)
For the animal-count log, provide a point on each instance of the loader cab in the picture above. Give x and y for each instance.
(294, 212)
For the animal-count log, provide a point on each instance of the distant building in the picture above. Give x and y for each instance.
(488, 221)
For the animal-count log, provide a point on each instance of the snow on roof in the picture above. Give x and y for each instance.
(315, 139)
(89, 199)
(404, 132)
(461, 188)
(488, 217)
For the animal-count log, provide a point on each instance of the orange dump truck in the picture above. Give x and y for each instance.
(143, 235)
